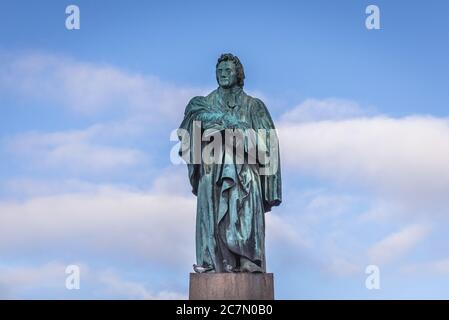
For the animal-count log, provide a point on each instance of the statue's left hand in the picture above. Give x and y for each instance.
(230, 121)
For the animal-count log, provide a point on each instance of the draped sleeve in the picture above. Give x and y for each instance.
(193, 111)
(270, 183)
(198, 109)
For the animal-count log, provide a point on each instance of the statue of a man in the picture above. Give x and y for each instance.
(232, 196)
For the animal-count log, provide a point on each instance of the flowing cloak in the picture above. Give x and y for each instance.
(232, 199)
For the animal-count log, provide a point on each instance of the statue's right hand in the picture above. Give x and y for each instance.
(230, 121)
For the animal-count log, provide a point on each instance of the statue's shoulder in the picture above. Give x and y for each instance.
(255, 104)
(211, 97)
(197, 100)
(200, 103)
(203, 99)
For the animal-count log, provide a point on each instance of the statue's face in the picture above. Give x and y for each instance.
(226, 74)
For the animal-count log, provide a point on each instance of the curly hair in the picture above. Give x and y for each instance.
(238, 66)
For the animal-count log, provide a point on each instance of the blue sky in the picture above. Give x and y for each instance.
(86, 117)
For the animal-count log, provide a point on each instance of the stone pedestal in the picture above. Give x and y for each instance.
(231, 286)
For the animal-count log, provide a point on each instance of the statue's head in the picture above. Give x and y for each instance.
(229, 71)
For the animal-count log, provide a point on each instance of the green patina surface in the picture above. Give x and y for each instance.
(232, 198)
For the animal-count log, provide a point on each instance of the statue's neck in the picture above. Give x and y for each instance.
(230, 96)
(230, 91)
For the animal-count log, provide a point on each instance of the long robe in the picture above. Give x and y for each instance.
(232, 199)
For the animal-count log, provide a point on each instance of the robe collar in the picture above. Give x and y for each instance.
(230, 98)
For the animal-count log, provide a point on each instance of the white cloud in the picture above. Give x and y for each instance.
(88, 88)
(86, 151)
(133, 111)
(400, 158)
(49, 280)
(114, 222)
(341, 266)
(173, 180)
(397, 244)
(15, 279)
(27, 188)
(119, 224)
(327, 109)
(280, 232)
(397, 168)
(117, 287)
(440, 266)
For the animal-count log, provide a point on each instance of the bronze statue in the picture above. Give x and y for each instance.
(233, 191)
